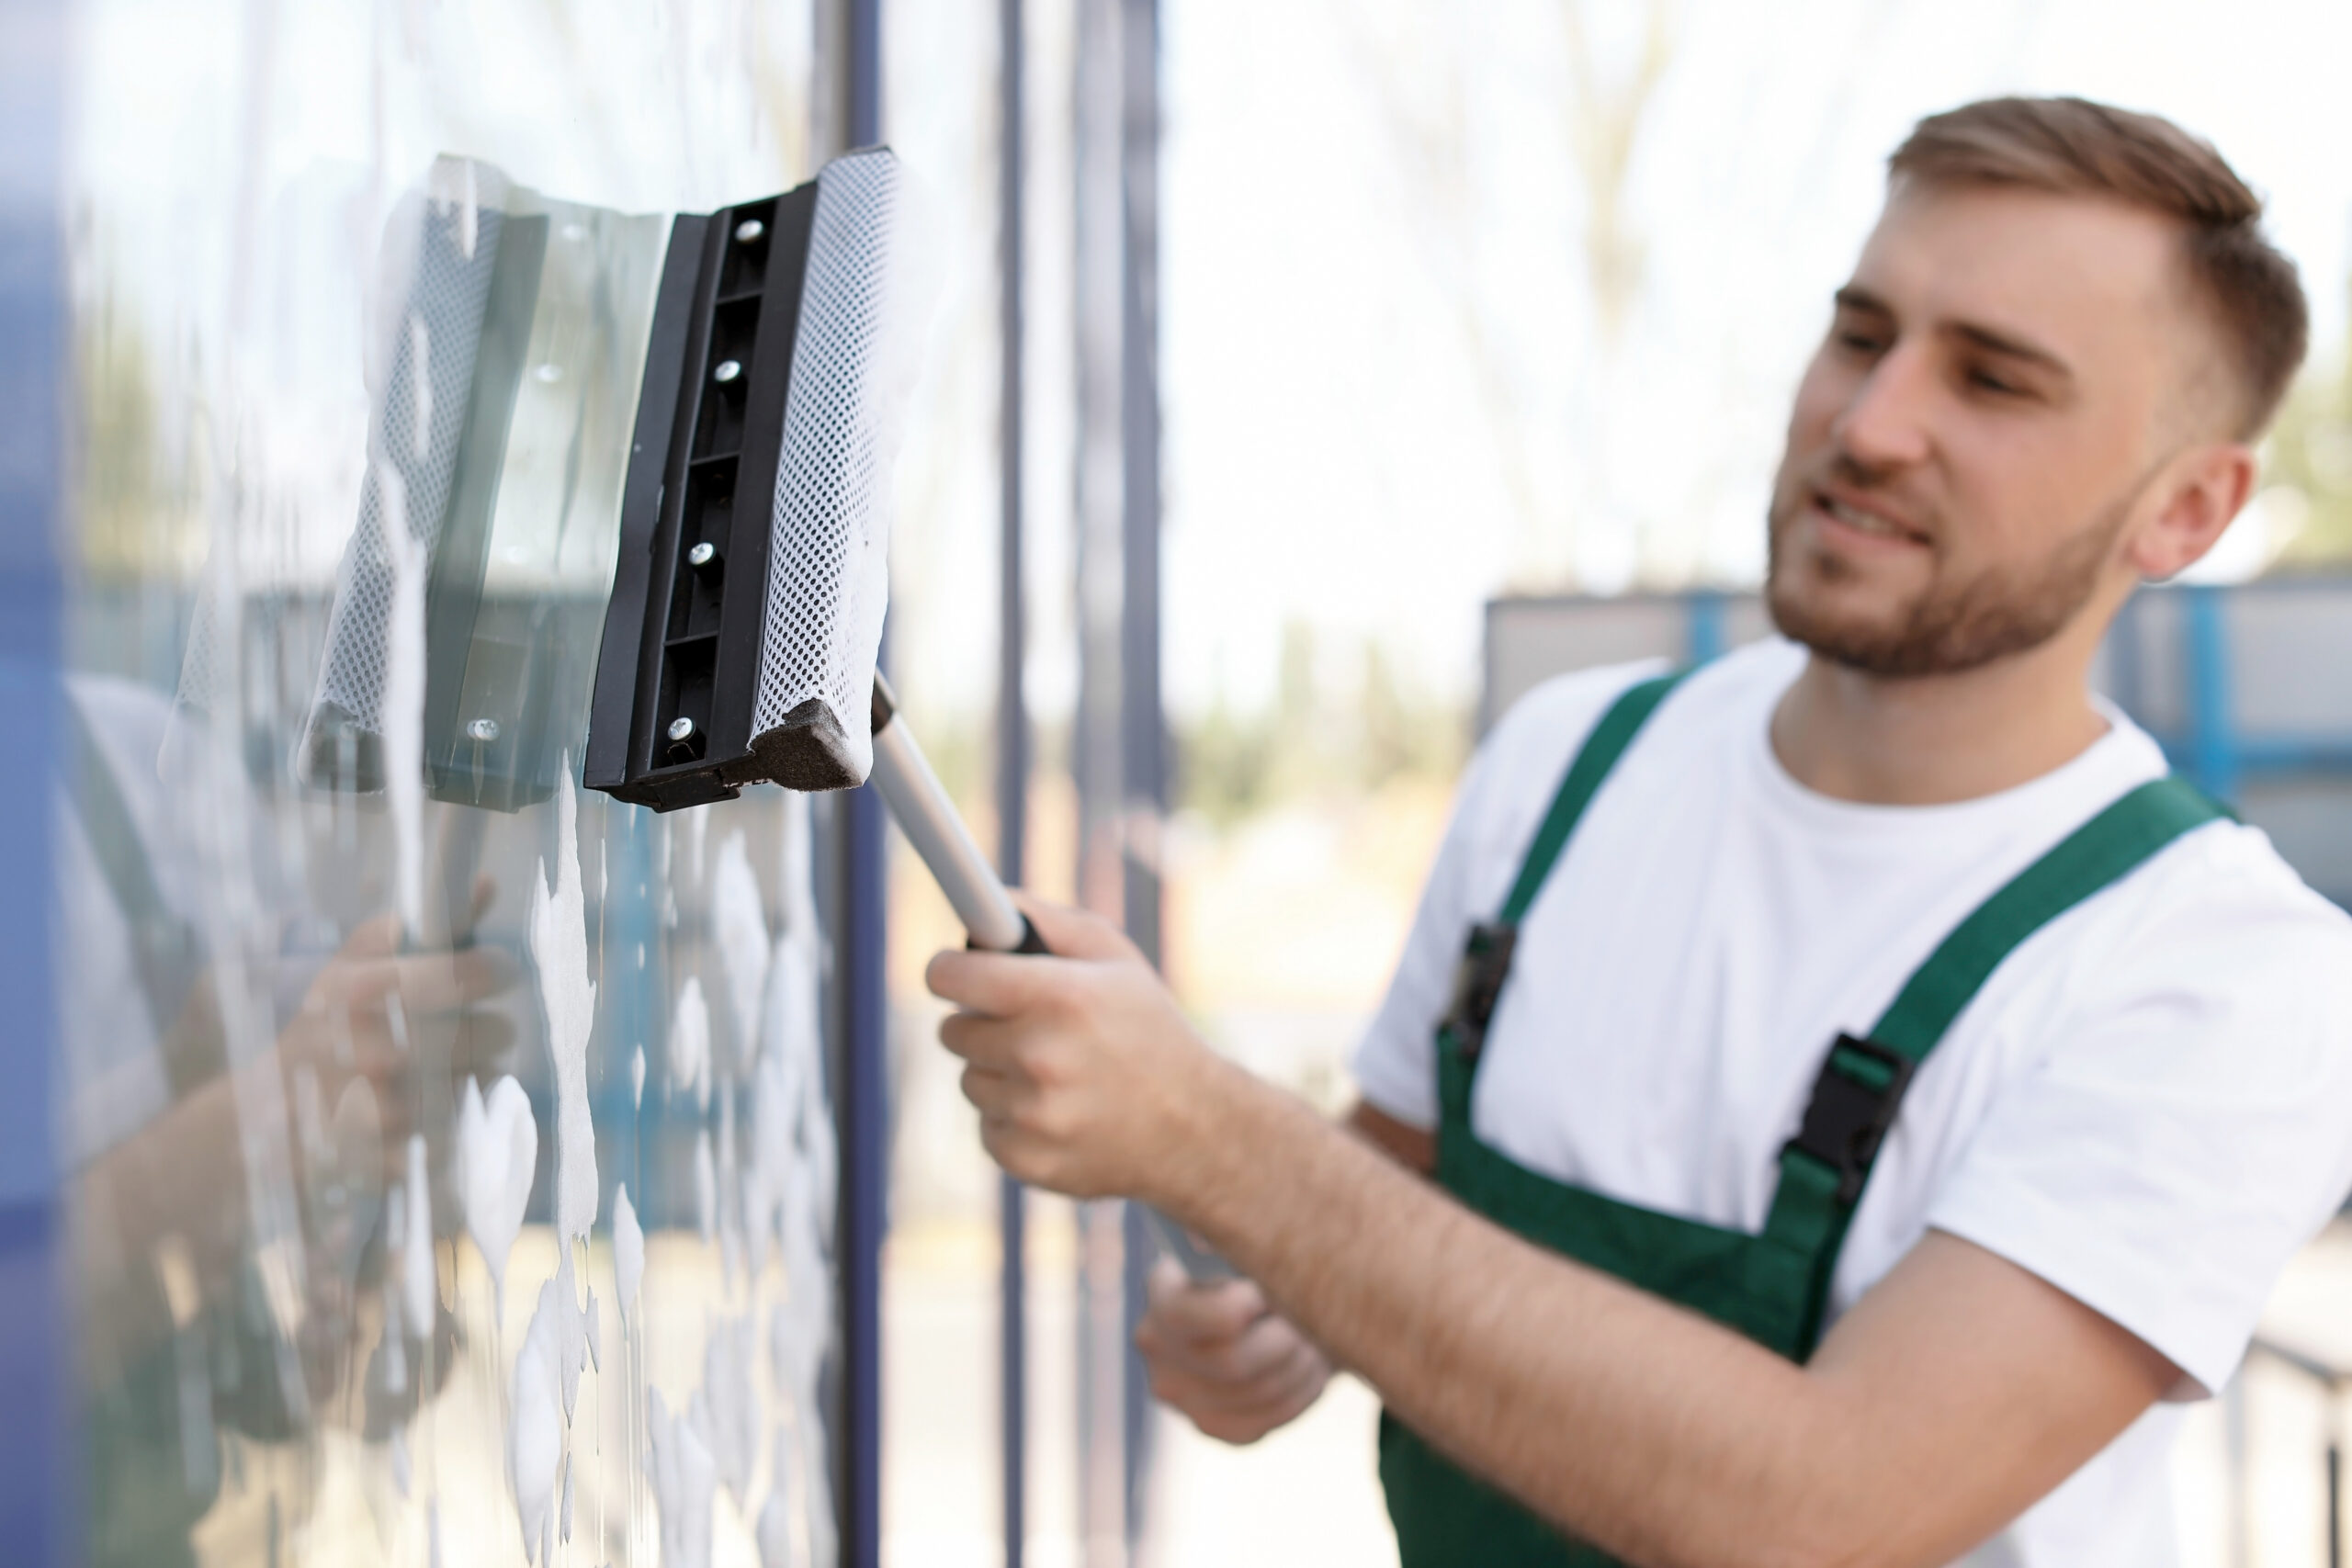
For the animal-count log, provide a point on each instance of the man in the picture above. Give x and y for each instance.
(1871, 1097)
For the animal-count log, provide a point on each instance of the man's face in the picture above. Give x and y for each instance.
(1969, 440)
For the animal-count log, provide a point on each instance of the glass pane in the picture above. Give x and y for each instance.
(453, 1159)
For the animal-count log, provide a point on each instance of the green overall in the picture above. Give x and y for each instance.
(1771, 1287)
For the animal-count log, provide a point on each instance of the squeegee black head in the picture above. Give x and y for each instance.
(748, 597)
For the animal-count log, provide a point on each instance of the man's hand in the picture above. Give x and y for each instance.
(1088, 1078)
(1223, 1357)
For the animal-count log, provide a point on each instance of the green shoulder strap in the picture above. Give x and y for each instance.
(1594, 759)
(1862, 1080)
(1486, 952)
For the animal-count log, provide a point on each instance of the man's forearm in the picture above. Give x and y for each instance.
(1641, 1428)
(1959, 1390)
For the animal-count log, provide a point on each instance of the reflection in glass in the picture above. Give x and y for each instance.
(452, 1153)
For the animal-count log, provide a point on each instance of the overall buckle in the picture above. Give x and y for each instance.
(1478, 985)
(1853, 1104)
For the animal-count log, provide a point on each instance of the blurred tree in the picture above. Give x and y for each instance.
(1310, 742)
(117, 448)
(2311, 449)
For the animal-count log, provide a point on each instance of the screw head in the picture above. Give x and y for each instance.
(682, 729)
(484, 730)
(749, 230)
(702, 553)
(548, 374)
(727, 371)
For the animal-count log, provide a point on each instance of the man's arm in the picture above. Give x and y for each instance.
(1957, 1392)
(1220, 1354)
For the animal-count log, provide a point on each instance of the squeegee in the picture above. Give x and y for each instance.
(746, 617)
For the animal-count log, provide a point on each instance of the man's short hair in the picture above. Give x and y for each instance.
(2074, 147)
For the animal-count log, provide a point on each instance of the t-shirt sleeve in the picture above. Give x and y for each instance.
(1508, 784)
(2192, 1126)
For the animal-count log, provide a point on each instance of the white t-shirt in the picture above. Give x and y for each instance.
(2149, 1104)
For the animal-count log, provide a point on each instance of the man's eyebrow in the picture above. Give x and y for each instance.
(2011, 347)
(1853, 296)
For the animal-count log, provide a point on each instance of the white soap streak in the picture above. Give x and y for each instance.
(401, 1471)
(593, 1323)
(560, 950)
(469, 214)
(728, 1192)
(706, 1186)
(637, 1078)
(572, 1330)
(690, 1044)
(774, 1532)
(418, 1296)
(629, 1253)
(535, 1430)
(401, 716)
(734, 1427)
(684, 1480)
(564, 1533)
(498, 1149)
(739, 926)
(796, 1150)
(767, 1174)
(432, 1533)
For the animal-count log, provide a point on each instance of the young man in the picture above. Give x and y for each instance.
(1864, 1095)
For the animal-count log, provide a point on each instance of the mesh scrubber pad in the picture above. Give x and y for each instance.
(420, 419)
(852, 362)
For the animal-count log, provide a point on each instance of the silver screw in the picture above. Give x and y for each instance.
(748, 229)
(702, 553)
(549, 374)
(485, 730)
(728, 371)
(682, 729)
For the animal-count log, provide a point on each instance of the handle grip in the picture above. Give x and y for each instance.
(992, 923)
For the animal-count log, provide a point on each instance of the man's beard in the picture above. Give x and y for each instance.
(1951, 627)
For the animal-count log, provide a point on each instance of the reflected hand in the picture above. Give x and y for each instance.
(1219, 1355)
(375, 1013)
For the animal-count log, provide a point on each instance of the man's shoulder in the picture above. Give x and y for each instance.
(2229, 873)
(2220, 915)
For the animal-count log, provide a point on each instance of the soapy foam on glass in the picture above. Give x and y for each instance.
(498, 1151)
(629, 1253)
(690, 1044)
(559, 951)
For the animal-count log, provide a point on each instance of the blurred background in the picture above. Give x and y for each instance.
(1308, 378)
(1456, 305)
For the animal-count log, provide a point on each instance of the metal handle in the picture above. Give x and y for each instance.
(933, 826)
(936, 830)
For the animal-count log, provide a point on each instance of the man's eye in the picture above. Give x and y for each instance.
(1858, 343)
(1985, 381)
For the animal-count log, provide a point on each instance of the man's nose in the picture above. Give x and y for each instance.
(1886, 423)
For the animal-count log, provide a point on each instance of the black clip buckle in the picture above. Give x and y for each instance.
(1478, 985)
(1847, 1118)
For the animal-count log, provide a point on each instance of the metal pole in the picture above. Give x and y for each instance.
(1011, 740)
(1096, 763)
(854, 62)
(37, 1476)
(2335, 1503)
(1142, 722)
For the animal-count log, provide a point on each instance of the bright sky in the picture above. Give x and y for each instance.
(1388, 395)
(1386, 389)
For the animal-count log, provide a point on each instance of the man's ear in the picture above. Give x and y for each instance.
(2200, 491)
